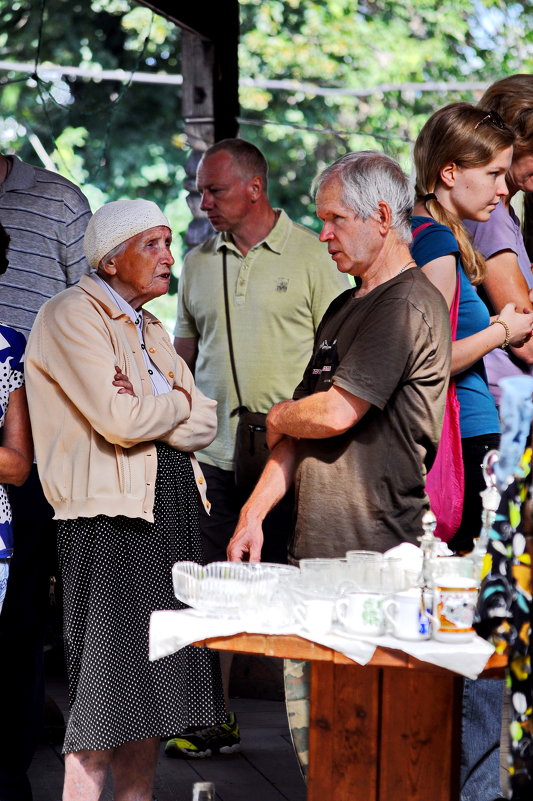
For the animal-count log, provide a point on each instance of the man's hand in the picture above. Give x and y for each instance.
(273, 484)
(247, 539)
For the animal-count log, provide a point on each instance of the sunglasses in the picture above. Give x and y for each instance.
(492, 118)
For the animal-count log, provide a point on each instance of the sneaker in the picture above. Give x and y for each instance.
(196, 744)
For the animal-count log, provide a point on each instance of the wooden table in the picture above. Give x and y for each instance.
(388, 731)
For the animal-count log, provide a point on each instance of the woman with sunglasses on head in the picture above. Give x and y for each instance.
(461, 158)
(462, 155)
(499, 239)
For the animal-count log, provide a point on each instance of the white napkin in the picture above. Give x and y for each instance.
(172, 630)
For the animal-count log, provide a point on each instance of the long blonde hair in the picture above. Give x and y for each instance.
(469, 137)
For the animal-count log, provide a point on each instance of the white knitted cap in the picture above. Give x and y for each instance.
(116, 222)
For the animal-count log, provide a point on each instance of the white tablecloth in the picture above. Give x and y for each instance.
(170, 631)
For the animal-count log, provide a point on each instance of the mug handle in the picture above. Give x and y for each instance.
(341, 606)
(387, 606)
(424, 603)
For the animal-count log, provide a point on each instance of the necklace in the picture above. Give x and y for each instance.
(405, 266)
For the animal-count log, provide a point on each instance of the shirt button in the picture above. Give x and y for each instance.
(151, 350)
(171, 374)
(200, 480)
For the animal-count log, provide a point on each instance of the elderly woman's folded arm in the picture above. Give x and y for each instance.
(199, 430)
(73, 349)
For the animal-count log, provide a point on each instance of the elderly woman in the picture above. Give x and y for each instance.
(116, 463)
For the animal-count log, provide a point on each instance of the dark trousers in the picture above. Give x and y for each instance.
(226, 502)
(21, 637)
(474, 451)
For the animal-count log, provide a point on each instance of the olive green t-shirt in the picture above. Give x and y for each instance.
(278, 293)
(365, 488)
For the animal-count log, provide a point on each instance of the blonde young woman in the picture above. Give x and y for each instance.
(462, 156)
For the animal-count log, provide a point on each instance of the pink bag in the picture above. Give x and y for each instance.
(445, 482)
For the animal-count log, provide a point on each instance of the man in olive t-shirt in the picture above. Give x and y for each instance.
(363, 426)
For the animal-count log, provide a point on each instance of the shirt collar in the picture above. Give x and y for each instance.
(21, 175)
(275, 240)
(123, 305)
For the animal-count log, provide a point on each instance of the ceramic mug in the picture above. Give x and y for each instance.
(407, 615)
(455, 592)
(361, 613)
(454, 604)
(315, 615)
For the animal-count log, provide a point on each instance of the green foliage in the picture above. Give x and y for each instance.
(361, 45)
(123, 139)
(118, 139)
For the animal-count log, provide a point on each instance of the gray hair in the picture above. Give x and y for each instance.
(116, 251)
(368, 178)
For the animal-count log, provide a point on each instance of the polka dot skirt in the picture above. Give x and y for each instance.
(116, 571)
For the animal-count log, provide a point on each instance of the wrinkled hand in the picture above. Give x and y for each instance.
(247, 539)
(520, 324)
(121, 380)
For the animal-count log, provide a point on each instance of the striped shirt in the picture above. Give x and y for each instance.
(46, 216)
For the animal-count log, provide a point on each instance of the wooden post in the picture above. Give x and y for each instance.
(210, 101)
(209, 65)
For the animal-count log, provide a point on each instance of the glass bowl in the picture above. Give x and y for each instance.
(223, 588)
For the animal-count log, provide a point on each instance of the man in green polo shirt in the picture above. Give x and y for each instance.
(280, 282)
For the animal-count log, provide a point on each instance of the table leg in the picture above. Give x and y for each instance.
(420, 735)
(380, 733)
(343, 733)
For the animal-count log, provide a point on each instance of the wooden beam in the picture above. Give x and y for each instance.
(209, 65)
(206, 18)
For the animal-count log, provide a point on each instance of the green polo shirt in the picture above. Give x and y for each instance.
(278, 293)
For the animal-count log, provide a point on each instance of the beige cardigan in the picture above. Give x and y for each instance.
(95, 448)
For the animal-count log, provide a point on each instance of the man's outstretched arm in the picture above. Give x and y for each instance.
(274, 482)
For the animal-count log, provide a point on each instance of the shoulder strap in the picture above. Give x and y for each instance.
(454, 308)
(228, 327)
(421, 228)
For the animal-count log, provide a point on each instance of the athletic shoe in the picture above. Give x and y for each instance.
(196, 744)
